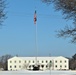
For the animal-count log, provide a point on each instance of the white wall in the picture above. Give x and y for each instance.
(15, 61)
(61, 63)
(28, 62)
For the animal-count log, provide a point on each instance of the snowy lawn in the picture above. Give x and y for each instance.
(37, 72)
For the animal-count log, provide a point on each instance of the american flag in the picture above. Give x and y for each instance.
(35, 17)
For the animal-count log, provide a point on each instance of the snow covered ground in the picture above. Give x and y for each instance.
(37, 72)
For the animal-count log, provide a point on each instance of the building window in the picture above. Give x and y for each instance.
(65, 61)
(46, 61)
(60, 61)
(50, 61)
(15, 66)
(56, 61)
(60, 66)
(29, 61)
(15, 61)
(10, 61)
(33, 61)
(25, 61)
(65, 66)
(38, 61)
(19, 66)
(38, 65)
(46, 66)
(19, 61)
(42, 66)
(56, 66)
(10, 66)
(42, 61)
(30, 66)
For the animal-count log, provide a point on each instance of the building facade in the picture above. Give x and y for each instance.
(44, 63)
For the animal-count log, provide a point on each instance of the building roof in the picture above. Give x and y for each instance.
(39, 58)
(26, 58)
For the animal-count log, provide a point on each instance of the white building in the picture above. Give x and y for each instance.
(44, 63)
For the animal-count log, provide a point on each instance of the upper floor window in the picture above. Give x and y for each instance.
(56, 61)
(65, 61)
(50, 61)
(42, 61)
(10, 61)
(60, 61)
(15, 61)
(46, 61)
(19, 61)
(29, 61)
(25, 61)
(38, 61)
(33, 61)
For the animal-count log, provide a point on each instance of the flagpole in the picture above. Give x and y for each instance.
(36, 45)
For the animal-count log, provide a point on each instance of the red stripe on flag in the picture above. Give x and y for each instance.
(35, 17)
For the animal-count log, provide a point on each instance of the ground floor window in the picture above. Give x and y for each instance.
(15, 66)
(10, 66)
(42, 66)
(56, 66)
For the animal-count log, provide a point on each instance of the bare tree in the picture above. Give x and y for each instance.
(72, 62)
(47, 1)
(68, 8)
(2, 11)
(25, 66)
(3, 61)
(74, 56)
(50, 64)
